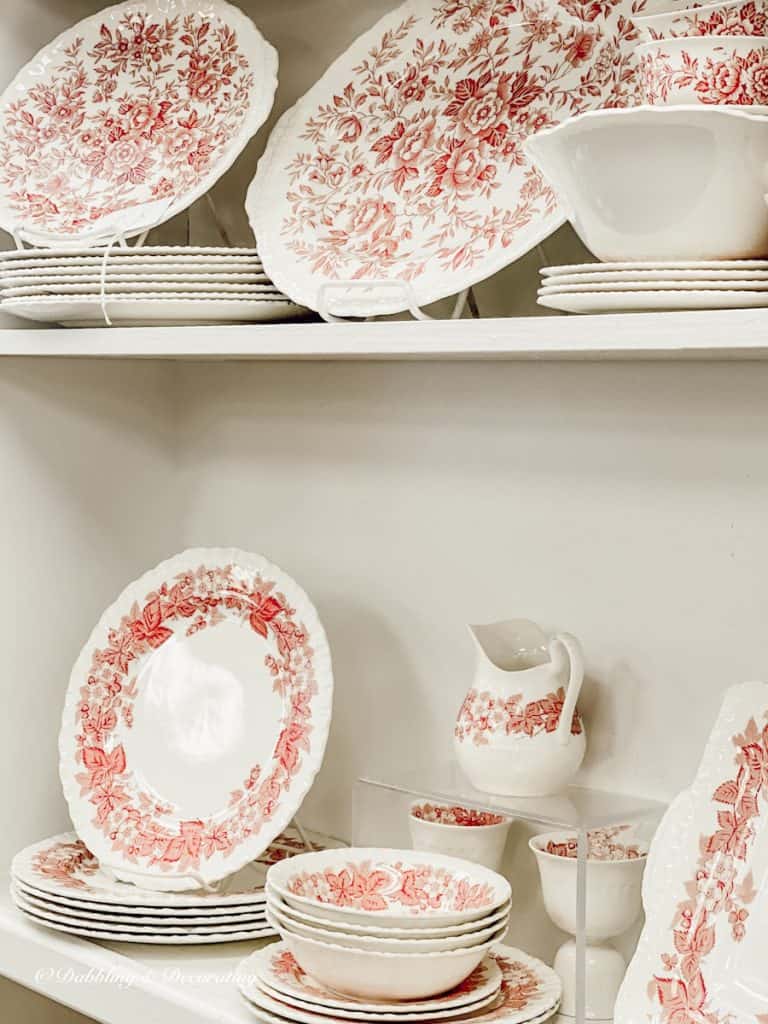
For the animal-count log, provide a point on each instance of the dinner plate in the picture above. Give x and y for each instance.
(129, 116)
(278, 968)
(649, 277)
(126, 286)
(269, 1018)
(405, 162)
(735, 284)
(196, 719)
(131, 252)
(133, 271)
(649, 301)
(147, 309)
(662, 265)
(701, 955)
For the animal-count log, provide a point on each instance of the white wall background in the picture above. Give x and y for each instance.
(626, 503)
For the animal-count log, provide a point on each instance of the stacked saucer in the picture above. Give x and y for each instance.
(141, 285)
(507, 985)
(633, 287)
(59, 884)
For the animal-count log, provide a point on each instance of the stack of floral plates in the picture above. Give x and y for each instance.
(141, 285)
(627, 287)
(507, 985)
(61, 885)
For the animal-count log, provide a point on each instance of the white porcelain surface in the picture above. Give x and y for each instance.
(376, 886)
(724, 70)
(481, 836)
(675, 268)
(651, 301)
(382, 931)
(627, 205)
(732, 17)
(373, 944)
(605, 969)
(681, 278)
(625, 285)
(518, 731)
(151, 309)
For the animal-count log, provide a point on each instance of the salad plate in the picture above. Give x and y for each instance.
(676, 267)
(152, 309)
(128, 117)
(195, 719)
(701, 955)
(405, 162)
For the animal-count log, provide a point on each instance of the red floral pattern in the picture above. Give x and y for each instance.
(601, 845)
(727, 77)
(718, 895)
(519, 986)
(737, 19)
(139, 109)
(483, 715)
(405, 168)
(464, 816)
(67, 863)
(386, 887)
(141, 829)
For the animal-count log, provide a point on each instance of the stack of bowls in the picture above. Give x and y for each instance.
(387, 924)
(711, 54)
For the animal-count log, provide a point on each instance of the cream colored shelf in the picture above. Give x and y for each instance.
(719, 334)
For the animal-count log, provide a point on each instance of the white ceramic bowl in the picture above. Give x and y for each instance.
(613, 887)
(283, 924)
(384, 975)
(479, 836)
(449, 931)
(731, 18)
(661, 183)
(710, 70)
(393, 888)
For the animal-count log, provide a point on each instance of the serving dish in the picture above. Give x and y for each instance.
(733, 18)
(382, 887)
(632, 184)
(195, 719)
(128, 117)
(711, 70)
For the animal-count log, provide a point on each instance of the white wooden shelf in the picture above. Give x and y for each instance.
(719, 334)
(123, 983)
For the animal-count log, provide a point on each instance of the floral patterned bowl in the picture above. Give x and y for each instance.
(732, 18)
(400, 888)
(711, 70)
(478, 836)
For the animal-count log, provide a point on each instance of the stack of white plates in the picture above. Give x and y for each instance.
(141, 285)
(59, 884)
(632, 287)
(507, 985)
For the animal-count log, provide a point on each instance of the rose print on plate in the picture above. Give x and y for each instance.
(405, 162)
(129, 116)
(732, 72)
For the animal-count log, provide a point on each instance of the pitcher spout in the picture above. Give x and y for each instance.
(510, 645)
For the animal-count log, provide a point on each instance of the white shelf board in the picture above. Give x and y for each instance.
(125, 983)
(717, 334)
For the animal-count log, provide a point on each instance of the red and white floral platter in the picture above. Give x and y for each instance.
(405, 161)
(529, 990)
(129, 116)
(701, 956)
(196, 719)
(405, 888)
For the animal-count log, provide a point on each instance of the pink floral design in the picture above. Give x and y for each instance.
(719, 893)
(402, 168)
(386, 887)
(464, 816)
(482, 715)
(138, 110)
(601, 845)
(67, 863)
(143, 831)
(520, 984)
(737, 19)
(729, 77)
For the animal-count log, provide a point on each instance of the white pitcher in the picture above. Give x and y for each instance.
(518, 732)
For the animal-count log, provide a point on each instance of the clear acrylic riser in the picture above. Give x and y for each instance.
(381, 804)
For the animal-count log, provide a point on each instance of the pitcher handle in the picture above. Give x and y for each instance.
(564, 647)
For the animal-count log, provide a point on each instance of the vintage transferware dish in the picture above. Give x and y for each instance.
(128, 117)
(625, 205)
(405, 163)
(127, 286)
(655, 286)
(381, 887)
(651, 301)
(482, 1015)
(383, 931)
(615, 861)
(708, 70)
(529, 989)
(684, 278)
(374, 944)
(196, 719)
(459, 832)
(732, 18)
(128, 254)
(700, 268)
(701, 955)
(386, 975)
(148, 309)
(518, 731)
